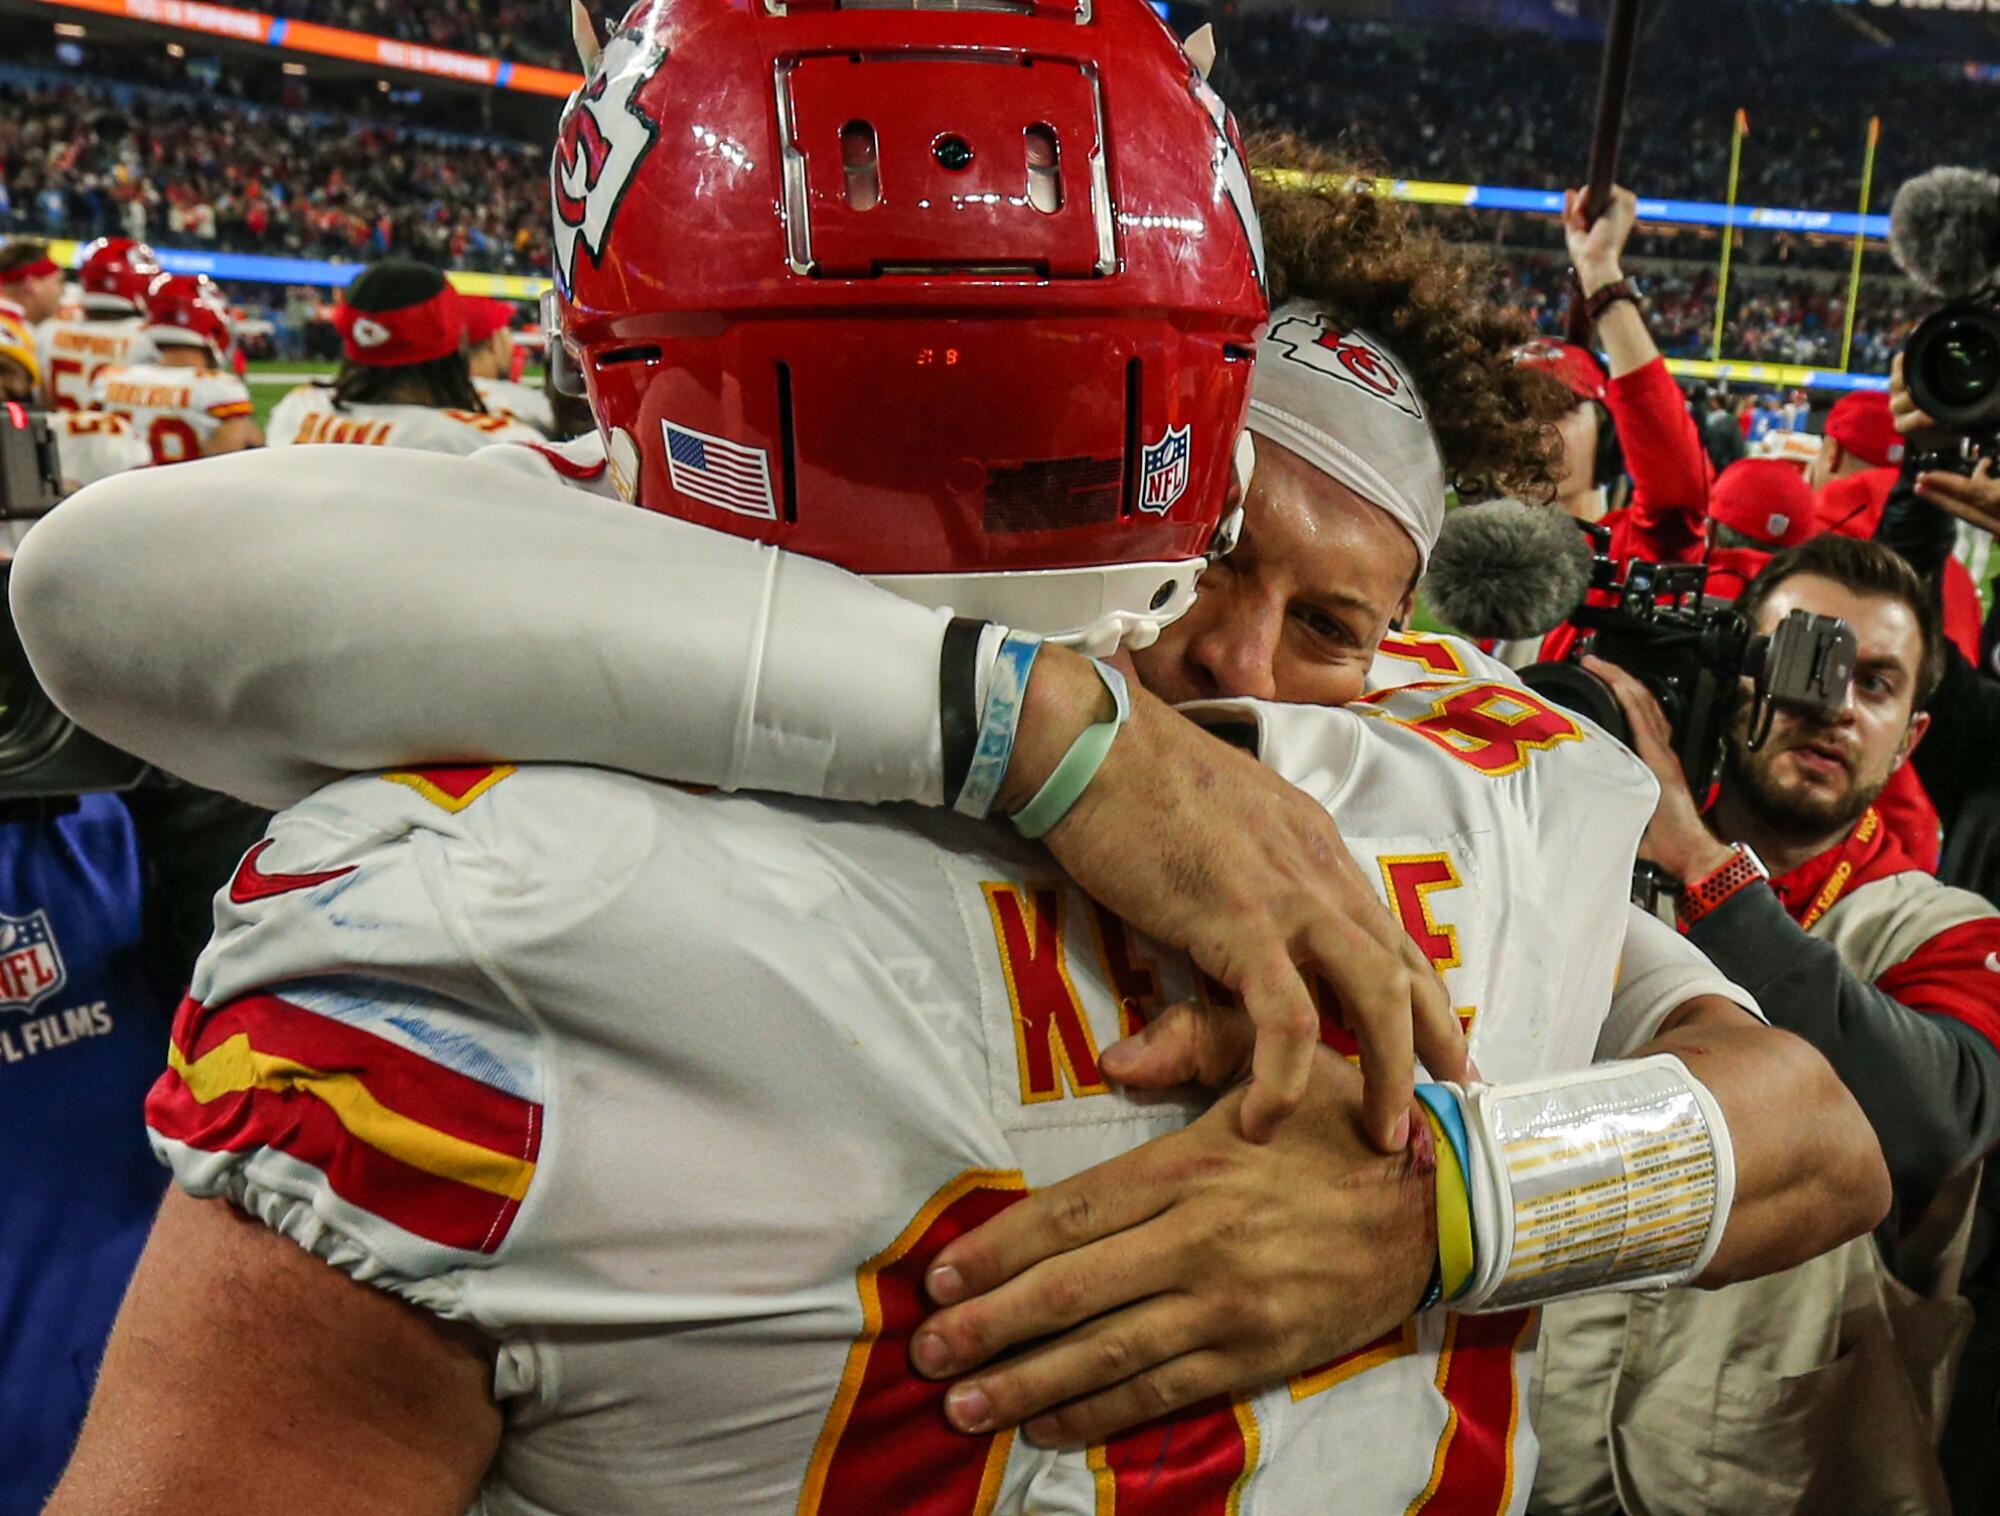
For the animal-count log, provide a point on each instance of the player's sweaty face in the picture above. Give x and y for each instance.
(1816, 777)
(1295, 612)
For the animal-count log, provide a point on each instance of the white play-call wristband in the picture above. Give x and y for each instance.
(1617, 1177)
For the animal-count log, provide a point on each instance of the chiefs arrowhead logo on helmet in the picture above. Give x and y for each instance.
(599, 147)
(1231, 173)
(1351, 357)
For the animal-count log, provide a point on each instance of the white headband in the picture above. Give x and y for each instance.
(1341, 401)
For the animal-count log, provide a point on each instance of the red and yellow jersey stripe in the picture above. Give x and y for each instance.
(432, 1151)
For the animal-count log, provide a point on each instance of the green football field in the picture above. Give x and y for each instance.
(269, 381)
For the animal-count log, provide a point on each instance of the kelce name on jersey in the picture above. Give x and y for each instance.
(1039, 926)
(56, 1030)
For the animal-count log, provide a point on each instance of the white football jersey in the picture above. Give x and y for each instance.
(177, 411)
(308, 415)
(75, 351)
(578, 464)
(524, 402)
(676, 1094)
(1659, 970)
(94, 445)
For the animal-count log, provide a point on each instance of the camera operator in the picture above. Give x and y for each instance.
(1634, 421)
(104, 903)
(1794, 888)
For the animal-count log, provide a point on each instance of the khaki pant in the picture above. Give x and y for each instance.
(1821, 1390)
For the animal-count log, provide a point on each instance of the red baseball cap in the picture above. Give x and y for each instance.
(1765, 499)
(1861, 424)
(484, 317)
(1580, 372)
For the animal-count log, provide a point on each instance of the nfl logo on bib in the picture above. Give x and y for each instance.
(1163, 472)
(31, 967)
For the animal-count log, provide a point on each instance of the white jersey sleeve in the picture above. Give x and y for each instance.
(1659, 970)
(718, 661)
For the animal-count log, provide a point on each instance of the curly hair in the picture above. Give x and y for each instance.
(1365, 259)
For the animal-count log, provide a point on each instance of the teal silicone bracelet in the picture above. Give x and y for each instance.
(1063, 788)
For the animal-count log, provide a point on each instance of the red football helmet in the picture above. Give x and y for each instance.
(963, 300)
(189, 310)
(115, 273)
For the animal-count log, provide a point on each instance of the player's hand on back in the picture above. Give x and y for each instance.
(1201, 846)
(1175, 1272)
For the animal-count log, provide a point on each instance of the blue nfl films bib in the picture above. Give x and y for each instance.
(83, 1032)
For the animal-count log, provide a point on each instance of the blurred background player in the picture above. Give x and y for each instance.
(115, 273)
(489, 353)
(91, 444)
(186, 403)
(30, 280)
(403, 380)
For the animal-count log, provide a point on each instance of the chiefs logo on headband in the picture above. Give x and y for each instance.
(1350, 357)
(602, 141)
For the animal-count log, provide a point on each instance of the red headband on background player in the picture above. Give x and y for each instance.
(418, 333)
(22, 272)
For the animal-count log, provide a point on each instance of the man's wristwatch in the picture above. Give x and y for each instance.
(1700, 896)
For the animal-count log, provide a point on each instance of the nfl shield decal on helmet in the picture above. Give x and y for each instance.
(1163, 471)
(599, 146)
(31, 966)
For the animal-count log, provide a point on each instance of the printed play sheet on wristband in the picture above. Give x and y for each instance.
(1610, 1183)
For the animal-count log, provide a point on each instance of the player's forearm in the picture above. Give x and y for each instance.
(1628, 345)
(1809, 1174)
(380, 609)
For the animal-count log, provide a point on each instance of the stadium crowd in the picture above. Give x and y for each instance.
(208, 173)
(454, 1013)
(516, 29)
(1519, 113)
(1773, 318)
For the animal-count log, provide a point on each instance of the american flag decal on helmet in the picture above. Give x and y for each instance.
(1163, 471)
(718, 472)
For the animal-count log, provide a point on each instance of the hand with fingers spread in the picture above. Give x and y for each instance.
(1678, 840)
(1201, 846)
(1197, 1265)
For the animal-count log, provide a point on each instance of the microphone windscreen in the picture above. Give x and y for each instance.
(1944, 230)
(1508, 570)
